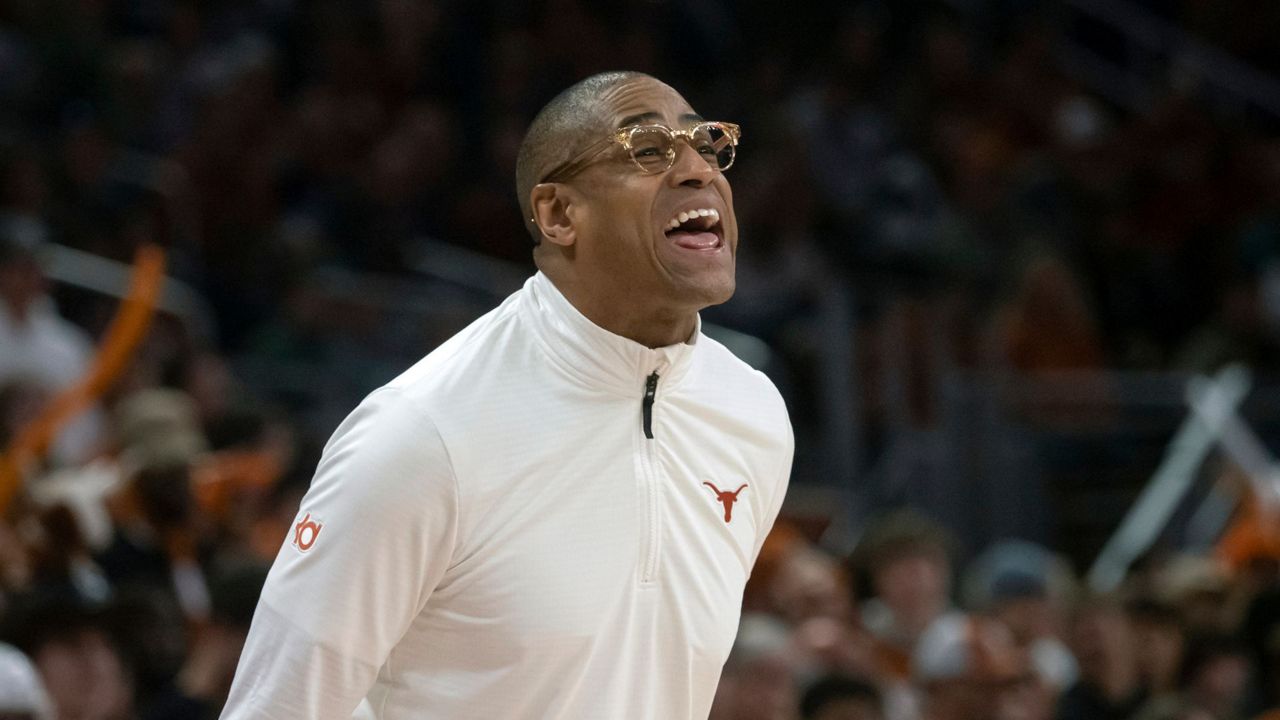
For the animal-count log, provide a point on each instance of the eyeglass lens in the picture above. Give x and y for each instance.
(654, 150)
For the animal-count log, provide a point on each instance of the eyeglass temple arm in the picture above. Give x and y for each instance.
(575, 163)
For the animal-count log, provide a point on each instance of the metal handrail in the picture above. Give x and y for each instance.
(468, 268)
(1213, 404)
(1180, 48)
(109, 277)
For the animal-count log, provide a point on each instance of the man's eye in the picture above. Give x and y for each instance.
(706, 150)
(648, 152)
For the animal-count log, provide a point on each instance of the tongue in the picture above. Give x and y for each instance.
(696, 240)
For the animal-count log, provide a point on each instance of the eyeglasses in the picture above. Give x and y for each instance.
(653, 147)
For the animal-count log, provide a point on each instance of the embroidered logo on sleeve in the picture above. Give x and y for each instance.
(726, 498)
(306, 532)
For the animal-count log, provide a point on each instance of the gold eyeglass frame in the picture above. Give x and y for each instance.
(623, 136)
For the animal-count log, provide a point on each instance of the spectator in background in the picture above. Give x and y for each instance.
(15, 563)
(158, 537)
(1212, 683)
(201, 686)
(811, 592)
(1216, 675)
(810, 584)
(105, 523)
(1028, 588)
(1110, 686)
(1023, 606)
(1047, 325)
(22, 694)
(39, 347)
(906, 558)
(968, 667)
(1158, 629)
(79, 663)
(1201, 590)
(839, 697)
(759, 677)
(1261, 629)
(150, 634)
(61, 558)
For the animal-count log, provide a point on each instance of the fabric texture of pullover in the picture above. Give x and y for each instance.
(538, 520)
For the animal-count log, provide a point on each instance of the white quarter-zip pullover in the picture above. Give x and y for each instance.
(539, 520)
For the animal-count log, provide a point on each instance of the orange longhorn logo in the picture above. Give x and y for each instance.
(725, 497)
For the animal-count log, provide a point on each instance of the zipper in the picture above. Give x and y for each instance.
(646, 406)
(653, 521)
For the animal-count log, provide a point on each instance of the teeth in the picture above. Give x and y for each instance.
(686, 215)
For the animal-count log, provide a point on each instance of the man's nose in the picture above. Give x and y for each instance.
(690, 168)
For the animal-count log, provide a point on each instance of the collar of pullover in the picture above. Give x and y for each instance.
(596, 355)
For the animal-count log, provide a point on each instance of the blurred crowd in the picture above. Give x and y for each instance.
(898, 631)
(925, 167)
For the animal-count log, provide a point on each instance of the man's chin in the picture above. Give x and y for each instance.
(706, 292)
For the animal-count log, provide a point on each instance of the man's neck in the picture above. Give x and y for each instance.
(652, 332)
(650, 326)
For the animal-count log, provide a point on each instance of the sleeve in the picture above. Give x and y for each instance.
(373, 536)
(782, 479)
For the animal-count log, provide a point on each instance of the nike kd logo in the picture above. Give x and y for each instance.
(305, 533)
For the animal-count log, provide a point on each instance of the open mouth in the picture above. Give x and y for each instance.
(696, 229)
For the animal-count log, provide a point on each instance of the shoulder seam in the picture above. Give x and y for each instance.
(740, 364)
(427, 421)
(500, 319)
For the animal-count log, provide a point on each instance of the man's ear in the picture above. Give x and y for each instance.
(549, 206)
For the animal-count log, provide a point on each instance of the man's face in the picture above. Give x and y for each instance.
(623, 216)
(914, 585)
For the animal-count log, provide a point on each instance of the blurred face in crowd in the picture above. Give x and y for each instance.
(1028, 617)
(997, 683)
(1162, 649)
(1103, 642)
(838, 645)
(810, 585)
(614, 221)
(1220, 684)
(85, 678)
(21, 281)
(915, 586)
(760, 689)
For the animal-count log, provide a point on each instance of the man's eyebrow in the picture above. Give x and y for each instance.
(637, 119)
(654, 116)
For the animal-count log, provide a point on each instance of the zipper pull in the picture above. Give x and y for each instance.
(650, 389)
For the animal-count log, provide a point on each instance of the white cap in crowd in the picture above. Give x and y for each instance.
(20, 688)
